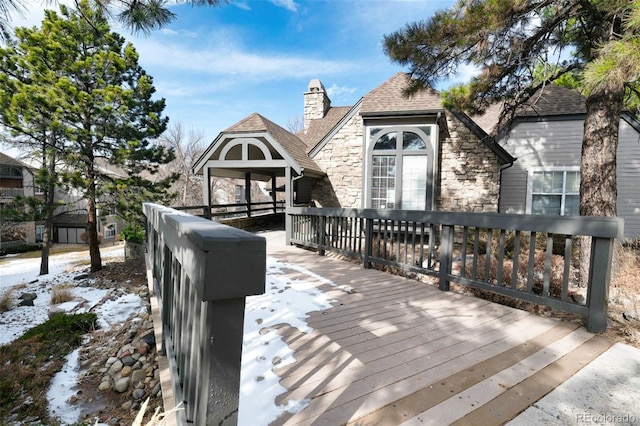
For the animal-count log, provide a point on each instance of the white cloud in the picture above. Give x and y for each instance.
(242, 5)
(287, 4)
(336, 92)
(226, 59)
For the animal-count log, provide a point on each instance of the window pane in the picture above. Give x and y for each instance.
(386, 141)
(572, 205)
(414, 182)
(573, 182)
(547, 182)
(558, 182)
(383, 182)
(537, 182)
(411, 141)
(546, 204)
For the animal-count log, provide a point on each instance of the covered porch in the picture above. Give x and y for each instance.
(257, 149)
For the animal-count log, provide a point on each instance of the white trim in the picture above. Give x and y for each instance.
(532, 170)
(241, 164)
(432, 150)
(245, 142)
(111, 227)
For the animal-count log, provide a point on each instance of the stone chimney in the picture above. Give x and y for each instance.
(316, 102)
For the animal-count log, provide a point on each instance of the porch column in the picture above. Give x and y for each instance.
(273, 193)
(206, 192)
(288, 188)
(247, 192)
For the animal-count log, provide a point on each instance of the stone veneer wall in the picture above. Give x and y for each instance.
(469, 172)
(316, 105)
(341, 159)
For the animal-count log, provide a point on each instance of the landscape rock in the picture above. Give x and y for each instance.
(121, 385)
(28, 296)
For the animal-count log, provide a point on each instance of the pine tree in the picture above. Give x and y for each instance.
(137, 16)
(104, 111)
(505, 39)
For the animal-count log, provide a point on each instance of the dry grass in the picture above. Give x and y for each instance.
(6, 300)
(61, 293)
(624, 298)
(555, 276)
(157, 419)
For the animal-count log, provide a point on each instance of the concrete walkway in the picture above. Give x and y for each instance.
(600, 384)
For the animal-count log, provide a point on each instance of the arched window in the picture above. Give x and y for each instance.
(401, 168)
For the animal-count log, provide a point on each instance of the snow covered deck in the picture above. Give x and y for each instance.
(392, 350)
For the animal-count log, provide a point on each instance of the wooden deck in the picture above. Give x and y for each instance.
(398, 351)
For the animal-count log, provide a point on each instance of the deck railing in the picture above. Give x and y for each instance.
(225, 211)
(202, 272)
(11, 192)
(524, 257)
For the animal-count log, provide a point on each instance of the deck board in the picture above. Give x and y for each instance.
(393, 350)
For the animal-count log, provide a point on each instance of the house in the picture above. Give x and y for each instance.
(389, 151)
(70, 219)
(17, 180)
(546, 138)
(386, 151)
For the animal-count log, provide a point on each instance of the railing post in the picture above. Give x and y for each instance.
(323, 235)
(368, 242)
(598, 284)
(446, 254)
(218, 390)
(208, 271)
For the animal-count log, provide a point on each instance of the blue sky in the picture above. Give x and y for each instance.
(215, 66)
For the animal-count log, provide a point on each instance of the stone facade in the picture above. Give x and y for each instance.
(468, 171)
(316, 102)
(341, 159)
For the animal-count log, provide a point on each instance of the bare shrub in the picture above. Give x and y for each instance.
(61, 293)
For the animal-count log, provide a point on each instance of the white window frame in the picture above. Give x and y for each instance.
(40, 232)
(529, 202)
(431, 153)
(110, 230)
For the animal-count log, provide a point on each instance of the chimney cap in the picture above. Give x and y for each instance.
(315, 85)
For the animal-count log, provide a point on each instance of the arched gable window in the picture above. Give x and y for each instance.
(401, 172)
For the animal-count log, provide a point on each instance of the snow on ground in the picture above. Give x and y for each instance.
(285, 301)
(62, 268)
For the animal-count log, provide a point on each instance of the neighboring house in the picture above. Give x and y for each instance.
(390, 151)
(546, 138)
(17, 179)
(70, 220)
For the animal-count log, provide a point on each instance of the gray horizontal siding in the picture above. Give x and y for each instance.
(558, 144)
(628, 173)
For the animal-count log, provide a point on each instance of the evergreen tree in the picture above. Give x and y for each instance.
(104, 111)
(28, 96)
(137, 16)
(505, 39)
